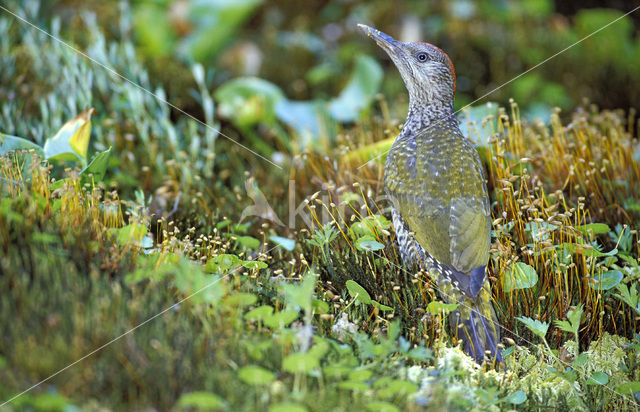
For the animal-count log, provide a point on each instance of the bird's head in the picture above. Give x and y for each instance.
(426, 70)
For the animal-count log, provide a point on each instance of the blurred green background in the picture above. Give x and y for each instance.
(308, 48)
(284, 77)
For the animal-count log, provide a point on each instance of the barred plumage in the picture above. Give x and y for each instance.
(440, 206)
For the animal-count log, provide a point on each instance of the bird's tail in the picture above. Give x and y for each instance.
(475, 323)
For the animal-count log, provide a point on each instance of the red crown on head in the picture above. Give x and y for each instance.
(448, 61)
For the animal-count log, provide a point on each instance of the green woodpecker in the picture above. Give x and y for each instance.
(437, 188)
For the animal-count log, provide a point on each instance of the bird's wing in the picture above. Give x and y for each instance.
(444, 201)
(469, 229)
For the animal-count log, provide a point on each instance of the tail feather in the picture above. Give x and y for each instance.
(476, 324)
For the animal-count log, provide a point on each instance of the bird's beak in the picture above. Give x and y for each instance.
(388, 43)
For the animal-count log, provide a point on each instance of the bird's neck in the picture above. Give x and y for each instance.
(424, 113)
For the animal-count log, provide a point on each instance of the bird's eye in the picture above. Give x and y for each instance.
(422, 57)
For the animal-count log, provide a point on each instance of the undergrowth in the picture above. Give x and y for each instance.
(187, 295)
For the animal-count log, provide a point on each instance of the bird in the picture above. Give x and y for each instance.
(436, 185)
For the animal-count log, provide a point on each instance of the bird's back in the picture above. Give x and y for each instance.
(432, 175)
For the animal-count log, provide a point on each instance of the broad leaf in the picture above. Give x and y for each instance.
(288, 244)
(72, 140)
(204, 401)
(358, 292)
(598, 378)
(519, 276)
(517, 398)
(11, 143)
(435, 307)
(256, 375)
(364, 84)
(606, 280)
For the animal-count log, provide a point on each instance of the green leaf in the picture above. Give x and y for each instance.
(301, 294)
(287, 407)
(595, 228)
(519, 276)
(283, 242)
(259, 313)
(221, 263)
(131, 233)
(471, 122)
(354, 386)
(98, 166)
(564, 325)
(540, 230)
(629, 296)
(201, 401)
(256, 375)
(628, 388)
(397, 388)
(241, 299)
(72, 140)
(153, 29)
(306, 118)
(281, 319)
(420, 353)
(358, 292)
(380, 306)
(320, 306)
(248, 101)
(517, 398)
(606, 280)
(248, 242)
(588, 252)
(435, 307)
(11, 143)
(25, 147)
(369, 226)
(573, 325)
(598, 378)
(575, 316)
(254, 264)
(216, 23)
(51, 402)
(369, 245)
(364, 84)
(535, 326)
(360, 375)
(381, 406)
(300, 363)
